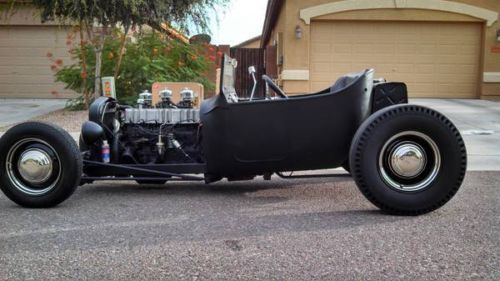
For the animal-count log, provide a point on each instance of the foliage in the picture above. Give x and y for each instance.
(183, 13)
(149, 57)
(108, 14)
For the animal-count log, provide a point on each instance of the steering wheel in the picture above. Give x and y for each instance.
(274, 87)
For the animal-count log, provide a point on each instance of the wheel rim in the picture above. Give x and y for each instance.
(409, 161)
(33, 166)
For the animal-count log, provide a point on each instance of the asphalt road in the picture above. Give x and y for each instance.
(314, 229)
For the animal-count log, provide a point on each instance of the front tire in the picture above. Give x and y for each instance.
(408, 159)
(40, 165)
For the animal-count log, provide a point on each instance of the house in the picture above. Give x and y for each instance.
(28, 51)
(252, 43)
(31, 52)
(441, 49)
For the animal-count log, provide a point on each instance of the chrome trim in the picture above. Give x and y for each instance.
(413, 169)
(35, 166)
(407, 160)
(18, 182)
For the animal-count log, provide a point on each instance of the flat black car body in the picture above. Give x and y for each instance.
(406, 159)
(287, 134)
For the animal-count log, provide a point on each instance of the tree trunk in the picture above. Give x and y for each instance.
(98, 63)
(84, 67)
(121, 53)
(97, 80)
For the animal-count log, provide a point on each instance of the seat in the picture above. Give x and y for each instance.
(345, 81)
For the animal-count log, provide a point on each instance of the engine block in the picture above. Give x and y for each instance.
(161, 115)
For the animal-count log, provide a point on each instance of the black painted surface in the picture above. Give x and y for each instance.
(300, 133)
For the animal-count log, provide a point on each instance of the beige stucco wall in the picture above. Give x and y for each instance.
(296, 51)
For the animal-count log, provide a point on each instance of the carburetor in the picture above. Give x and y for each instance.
(166, 99)
(145, 99)
(187, 98)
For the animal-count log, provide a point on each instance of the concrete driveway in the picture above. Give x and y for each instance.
(18, 110)
(479, 124)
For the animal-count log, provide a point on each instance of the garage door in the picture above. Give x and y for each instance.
(434, 59)
(25, 69)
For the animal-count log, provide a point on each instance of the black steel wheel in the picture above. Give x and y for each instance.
(40, 165)
(408, 159)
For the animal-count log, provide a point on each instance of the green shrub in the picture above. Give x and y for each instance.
(148, 57)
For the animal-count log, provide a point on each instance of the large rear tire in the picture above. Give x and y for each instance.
(40, 165)
(408, 159)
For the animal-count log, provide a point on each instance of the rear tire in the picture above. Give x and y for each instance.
(40, 165)
(408, 159)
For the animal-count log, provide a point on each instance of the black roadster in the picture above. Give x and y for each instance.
(406, 159)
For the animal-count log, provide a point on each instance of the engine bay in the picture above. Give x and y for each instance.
(164, 133)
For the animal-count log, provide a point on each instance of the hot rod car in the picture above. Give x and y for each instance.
(405, 159)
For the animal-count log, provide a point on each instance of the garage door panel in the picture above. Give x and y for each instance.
(424, 68)
(426, 49)
(25, 70)
(33, 52)
(422, 77)
(405, 48)
(345, 58)
(455, 77)
(383, 48)
(435, 59)
(46, 88)
(9, 42)
(320, 58)
(447, 49)
(422, 87)
(325, 77)
(342, 68)
(321, 67)
(470, 70)
(24, 65)
(322, 48)
(454, 39)
(321, 85)
(455, 87)
(341, 48)
(31, 79)
(454, 59)
(32, 61)
(362, 48)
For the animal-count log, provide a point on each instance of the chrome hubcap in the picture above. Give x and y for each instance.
(407, 160)
(35, 166)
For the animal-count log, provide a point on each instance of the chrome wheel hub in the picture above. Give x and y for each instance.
(407, 160)
(35, 166)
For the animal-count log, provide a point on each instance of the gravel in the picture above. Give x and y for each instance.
(71, 121)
